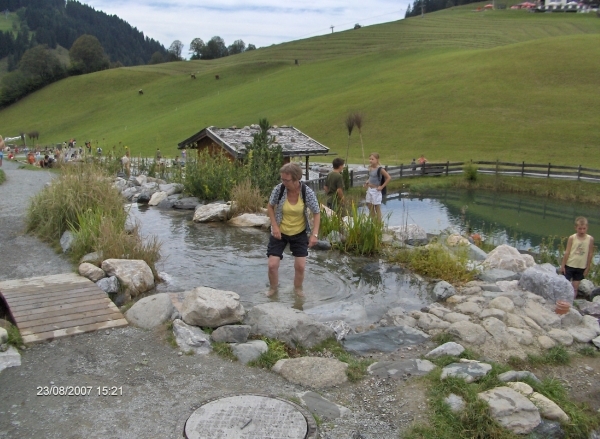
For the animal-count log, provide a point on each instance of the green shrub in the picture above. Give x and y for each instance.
(436, 261)
(277, 350)
(470, 172)
(212, 177)
(264, 159)
(2, 176)
(224, 350)
(247, 198)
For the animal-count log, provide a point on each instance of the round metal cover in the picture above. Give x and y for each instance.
(250, 417)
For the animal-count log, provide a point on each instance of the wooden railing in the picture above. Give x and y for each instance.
(357, 178)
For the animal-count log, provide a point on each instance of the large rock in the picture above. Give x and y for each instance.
(110, 285)
(91, 272)
(187, 203)
(135, 276)
(250, 220)
(563, 337)
(586, 287)
(205, 306)
(3, 335)
(493, 275)
(250, 351)
(315, 372)
(322, 407)
(293, 327)
(171, 188)
(503, 303)
(496, 328)
(66, 241)
(512, 410)
(231, 334)
(9, 358)
(397, 317)
(523, 336)
(191, 338)
(352, 313)
(401, 369)
(151, 311)
(409, 232)
(157, 197)
(506, 257)
(450, 348)
(550, 286)
(517, 375)
(541, 315)
(471, 333)
(212, 212)
(469, 371)
(443, 290)
(582, 334)
(548, 408)
(429, 321)
(592, 323)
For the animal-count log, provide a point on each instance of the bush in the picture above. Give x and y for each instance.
(211, 177)
(470, 172)
(247, 198)
(264, 160)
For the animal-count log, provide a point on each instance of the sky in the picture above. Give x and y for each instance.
(258, 22)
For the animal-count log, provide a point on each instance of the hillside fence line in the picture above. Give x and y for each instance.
(535, 170)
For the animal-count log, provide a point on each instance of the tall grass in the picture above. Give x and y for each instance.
(247, 198)
(83, 200)
(360, 234)
(435, 261)
(2, 176)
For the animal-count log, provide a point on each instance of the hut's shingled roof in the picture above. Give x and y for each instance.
(236, 140)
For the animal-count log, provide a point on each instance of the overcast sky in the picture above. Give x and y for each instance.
(258, 22)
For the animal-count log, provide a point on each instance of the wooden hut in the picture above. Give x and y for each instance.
(235, 141)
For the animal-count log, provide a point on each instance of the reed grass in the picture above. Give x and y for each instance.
(247, 198)
(2, 176)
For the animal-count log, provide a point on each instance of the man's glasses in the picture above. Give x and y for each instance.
(286, 180)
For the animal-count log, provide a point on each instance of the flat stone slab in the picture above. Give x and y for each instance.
(248, 417)
(10, 358)
(322, 407)
(469, 371)
(401, 369)
(386, 339)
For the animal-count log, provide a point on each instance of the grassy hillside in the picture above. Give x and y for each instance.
(454, 85)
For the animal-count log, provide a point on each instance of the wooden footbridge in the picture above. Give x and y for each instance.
(48, 307)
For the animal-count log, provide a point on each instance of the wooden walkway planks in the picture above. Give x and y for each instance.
(49, 307)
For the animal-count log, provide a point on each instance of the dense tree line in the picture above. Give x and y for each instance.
(433, 5)
(56, 22)
(215, 48)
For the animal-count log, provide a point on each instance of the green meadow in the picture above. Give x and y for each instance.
(454, 85)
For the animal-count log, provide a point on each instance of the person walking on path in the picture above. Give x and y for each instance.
(334, 185)
(2, 146)
(577, 260)
(378, 179)
(288, 208)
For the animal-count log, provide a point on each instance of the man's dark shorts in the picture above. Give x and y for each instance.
(298, 245)
(574, 273)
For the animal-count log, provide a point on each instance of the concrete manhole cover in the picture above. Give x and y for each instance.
(250, 417)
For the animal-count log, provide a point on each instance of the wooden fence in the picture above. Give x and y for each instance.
(579, 173)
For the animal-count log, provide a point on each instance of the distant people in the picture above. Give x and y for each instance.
(578, 256)
(413, 165)
(2, 146)
(422, 163)
(374, 185)
(334, 185)
(126, 162)
(88, 145)
(184, 154)
(47, 162)
(158, 155)
(99, 151)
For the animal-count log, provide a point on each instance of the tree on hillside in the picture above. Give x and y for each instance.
(87, 56)
(264, 159)
(197, 47)
(41, 65)
(250, 47)
(215, 48)
(175, 51)
(156, 58)
(238, 46)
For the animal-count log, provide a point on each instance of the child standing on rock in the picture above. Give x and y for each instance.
(577, 260)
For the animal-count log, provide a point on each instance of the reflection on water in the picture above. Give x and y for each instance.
(228, 258)
(518, 220)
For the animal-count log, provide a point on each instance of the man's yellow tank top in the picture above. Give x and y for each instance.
(579, 252)
(293, 221)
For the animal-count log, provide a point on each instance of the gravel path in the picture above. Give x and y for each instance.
(160, 386)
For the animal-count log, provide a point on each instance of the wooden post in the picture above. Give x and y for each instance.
(523, 169)
(548, 175)
(352, 178)
(579, 173)
(307, 176)
(447, 165)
